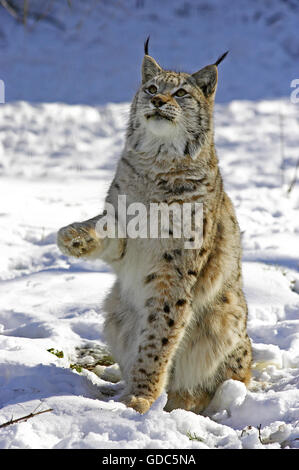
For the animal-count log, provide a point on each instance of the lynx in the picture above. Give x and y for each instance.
(175, 318)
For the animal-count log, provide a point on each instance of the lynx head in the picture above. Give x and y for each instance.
(172, 107)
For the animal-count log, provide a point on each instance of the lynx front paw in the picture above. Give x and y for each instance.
(140, 404)
(77, 240)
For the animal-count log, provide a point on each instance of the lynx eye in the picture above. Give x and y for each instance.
(152, 89)
(181, 92)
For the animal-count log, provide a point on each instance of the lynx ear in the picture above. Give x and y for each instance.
(150, 68)
(206, 79)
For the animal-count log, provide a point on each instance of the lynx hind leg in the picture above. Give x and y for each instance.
(217, 348)
(195, 402)
(237, 367)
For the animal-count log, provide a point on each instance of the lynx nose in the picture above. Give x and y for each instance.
(158, 101)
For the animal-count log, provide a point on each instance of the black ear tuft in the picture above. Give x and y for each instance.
(146, 45)
(220, 59)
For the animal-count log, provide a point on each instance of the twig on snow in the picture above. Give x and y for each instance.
(21, 14)
(23, 418)
(260, 436)
(10, 8)
(293, 182)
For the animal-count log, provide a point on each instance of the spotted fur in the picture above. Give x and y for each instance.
(176, 317)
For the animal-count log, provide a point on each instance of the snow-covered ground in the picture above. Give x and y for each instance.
(91, 54)
(56, 163)
(59, 160)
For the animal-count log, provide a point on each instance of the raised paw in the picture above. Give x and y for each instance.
(139, 403)
(77, 240)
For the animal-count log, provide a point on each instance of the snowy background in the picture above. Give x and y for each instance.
(69, 77)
